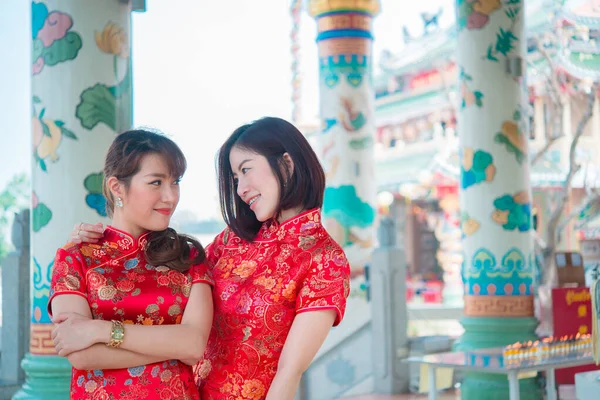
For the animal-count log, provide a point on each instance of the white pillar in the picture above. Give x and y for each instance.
(81, 97)
(347, 111)
(495, 187)
(495, 191)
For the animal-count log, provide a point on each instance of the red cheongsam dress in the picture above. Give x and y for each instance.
(119, 284)
(260, 287)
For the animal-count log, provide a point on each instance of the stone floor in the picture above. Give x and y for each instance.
(565, 392)
(447, 395)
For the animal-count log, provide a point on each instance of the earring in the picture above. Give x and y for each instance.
(119, 202)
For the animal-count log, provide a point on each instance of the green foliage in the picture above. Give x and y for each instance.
(13, 199)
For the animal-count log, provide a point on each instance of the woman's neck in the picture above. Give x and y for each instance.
(120, 223)
(289, 214)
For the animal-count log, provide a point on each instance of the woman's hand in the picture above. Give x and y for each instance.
(75, 332)
(86, 233)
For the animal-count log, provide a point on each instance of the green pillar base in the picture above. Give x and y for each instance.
(48, 378)
(495, 332)
(495, 387)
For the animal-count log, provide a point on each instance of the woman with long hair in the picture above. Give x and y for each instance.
(133, 311)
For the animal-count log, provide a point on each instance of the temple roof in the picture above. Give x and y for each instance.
(581, 24)
(581, 65)
(422, 52)
(581, 59)
(418, 54)
(407, 107)
(582, 12)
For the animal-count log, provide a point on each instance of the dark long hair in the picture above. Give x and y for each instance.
(272, 138)
(123, 161)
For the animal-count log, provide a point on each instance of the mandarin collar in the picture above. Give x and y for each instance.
(112, 234)
(306, 223)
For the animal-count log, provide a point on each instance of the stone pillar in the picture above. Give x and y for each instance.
(347, 113)
(495, 191)
(81, 97)
(16, 306)
(390, 315)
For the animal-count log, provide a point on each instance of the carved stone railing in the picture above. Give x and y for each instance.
(365, 354)
(16, 308)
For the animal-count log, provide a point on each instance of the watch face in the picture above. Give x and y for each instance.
(119, 335)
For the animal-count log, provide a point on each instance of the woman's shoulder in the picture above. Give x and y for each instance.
(330, 249)
(215, 249)
(326, 240)
(71, 254)
(93, 253)
(72, 249)
(227, 237)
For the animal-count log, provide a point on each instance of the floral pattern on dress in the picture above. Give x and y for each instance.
(119, 284)
(260, 287)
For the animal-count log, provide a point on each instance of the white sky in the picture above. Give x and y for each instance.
(200, 70)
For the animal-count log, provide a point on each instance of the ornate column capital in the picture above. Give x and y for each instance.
(317, 8)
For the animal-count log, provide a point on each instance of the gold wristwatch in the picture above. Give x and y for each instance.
(117, 334)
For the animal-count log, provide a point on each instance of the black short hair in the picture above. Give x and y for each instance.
(270, 137)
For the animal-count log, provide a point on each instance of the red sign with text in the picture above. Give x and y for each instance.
(572, 314)
(571, 311)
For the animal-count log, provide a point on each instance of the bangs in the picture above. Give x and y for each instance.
(173, 157)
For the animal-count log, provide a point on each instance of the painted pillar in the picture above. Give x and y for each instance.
(495, 191)
(81, 97)
(347, 113)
